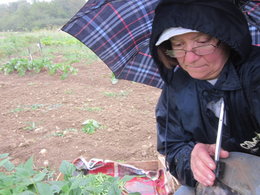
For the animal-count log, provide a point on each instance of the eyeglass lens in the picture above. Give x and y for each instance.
(201, 50)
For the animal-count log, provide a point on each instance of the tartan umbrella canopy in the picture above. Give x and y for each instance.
(118, 32)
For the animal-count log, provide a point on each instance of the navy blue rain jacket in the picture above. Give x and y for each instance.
(183, 115)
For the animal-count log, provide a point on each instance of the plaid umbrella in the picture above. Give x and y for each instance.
(251, 10)
(118, 32)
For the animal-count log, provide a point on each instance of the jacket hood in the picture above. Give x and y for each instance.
(221, 19)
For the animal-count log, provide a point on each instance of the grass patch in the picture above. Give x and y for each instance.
(121, 93)
(43, 44)
(31, 126)
(64, 132)
(28, 108)
(90, 109)
(35, 107)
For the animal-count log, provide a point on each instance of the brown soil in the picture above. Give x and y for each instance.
(42, 115)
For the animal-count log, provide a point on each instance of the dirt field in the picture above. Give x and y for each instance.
(42, 116)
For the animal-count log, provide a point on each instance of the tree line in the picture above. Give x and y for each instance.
(24, 16)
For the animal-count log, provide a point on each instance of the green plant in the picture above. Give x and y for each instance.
(34, 107)
(121, 93)
(64, 132)
(21, 179)
(62, 68)
(21, 66)
(114, 80)
(69, 91)
(24, 179)
(18, 109)
(30, 126)
(61, 40)
(99, 184)
(90, 126)
(90, 109)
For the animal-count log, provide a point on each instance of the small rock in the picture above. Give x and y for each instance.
(46, 163)
(38, 129)
(43, 151)
(144, 153)
(110, 130)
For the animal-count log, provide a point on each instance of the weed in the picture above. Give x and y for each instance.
(36, 106)
(31, 83)
(90, 109)
(18, 109)
(121, 93)
(53, 106)
(68, 91)
(64, 132)
(114, 80)
(33, 107)
(93, 109)
(90, 126)
(30, 126)
(28, 107)
(58, 134)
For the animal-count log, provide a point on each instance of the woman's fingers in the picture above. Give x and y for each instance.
(202, 163)
(202, 172)
(224, 154)
(212, 149)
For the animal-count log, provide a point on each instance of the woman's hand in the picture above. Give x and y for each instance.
(203, 165)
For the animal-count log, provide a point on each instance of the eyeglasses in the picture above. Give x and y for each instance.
(200, 50)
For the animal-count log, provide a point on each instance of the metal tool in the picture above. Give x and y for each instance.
(219, 133)
(219, 166)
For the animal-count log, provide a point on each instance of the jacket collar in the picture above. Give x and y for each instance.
(228, 79)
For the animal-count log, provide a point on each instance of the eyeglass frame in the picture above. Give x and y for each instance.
(170, 52)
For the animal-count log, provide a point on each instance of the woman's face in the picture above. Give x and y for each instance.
(203, 67)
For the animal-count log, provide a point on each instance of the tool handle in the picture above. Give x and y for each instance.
(219, 133)
(220, 169)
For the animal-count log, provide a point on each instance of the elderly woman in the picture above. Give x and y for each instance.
(204, 54)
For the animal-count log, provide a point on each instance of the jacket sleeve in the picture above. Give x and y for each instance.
(254, 86)
(173, 141)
